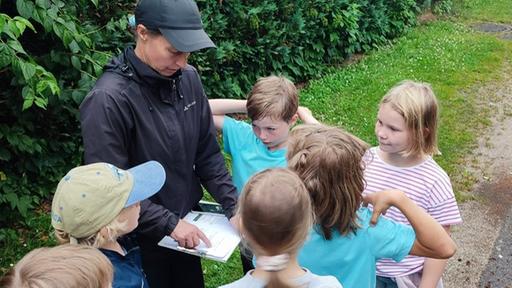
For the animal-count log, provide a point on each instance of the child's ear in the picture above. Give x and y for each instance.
(293, 120)
(426, 132)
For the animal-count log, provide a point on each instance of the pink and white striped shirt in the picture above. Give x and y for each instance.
(427, 184)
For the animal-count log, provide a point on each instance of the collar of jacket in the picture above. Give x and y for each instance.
(151, 78)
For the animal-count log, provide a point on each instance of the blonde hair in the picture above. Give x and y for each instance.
(276, 215)
(273, 96)
(64, 266)
(329, 162)
(108, 233)
(417, 104)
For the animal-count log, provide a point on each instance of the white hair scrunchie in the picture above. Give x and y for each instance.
(273, 263)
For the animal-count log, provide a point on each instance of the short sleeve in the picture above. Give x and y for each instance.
(389, 239)
(443, 205)
(235, 134)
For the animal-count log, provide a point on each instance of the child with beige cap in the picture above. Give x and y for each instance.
(97, 203)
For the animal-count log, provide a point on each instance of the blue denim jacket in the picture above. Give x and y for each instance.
(127, 269)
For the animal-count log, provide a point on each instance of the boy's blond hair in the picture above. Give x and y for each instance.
(108, 233)
(273, 96)
(417, 104)
(276, 215)
(64, 266)
(329, 162)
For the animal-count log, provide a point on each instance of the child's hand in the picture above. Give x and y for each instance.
(306, 116)
(381, 201)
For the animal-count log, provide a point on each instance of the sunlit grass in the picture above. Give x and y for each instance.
(448, 55)
(485, 10)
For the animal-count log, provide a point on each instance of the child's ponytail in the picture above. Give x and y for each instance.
(275, 219)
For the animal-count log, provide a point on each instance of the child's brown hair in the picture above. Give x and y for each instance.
(417, 104)
(64, 266)
(273, 96)
(329, 162)
(275, 215)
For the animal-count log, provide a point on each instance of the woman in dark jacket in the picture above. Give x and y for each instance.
(150, 105)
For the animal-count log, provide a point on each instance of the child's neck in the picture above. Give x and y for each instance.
(398, 160)
(292, 270)
(278, 147)
(114, 246)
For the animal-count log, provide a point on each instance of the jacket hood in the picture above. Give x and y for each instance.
(129, 65)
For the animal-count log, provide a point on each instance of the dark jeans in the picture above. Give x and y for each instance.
(246, 257)
(384, 282)
(167, 268)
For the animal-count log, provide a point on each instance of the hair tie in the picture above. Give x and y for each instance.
(73, 240)
(272, 263)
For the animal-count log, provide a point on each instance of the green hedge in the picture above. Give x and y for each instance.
(51, 52)
(296, 38)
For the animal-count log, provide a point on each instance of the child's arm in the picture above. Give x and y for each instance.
(221, 107)
(306, 116)
(433, 269)
(431, 239)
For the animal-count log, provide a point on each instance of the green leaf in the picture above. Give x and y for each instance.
(12, 198)
(43, 3)
(9, 33)
(11, 26)
(28, 69)
(16, 46)
(41, 102)
(77, 96)
(25, 22)
(28, 95)
(5, 155)
(74, 47)
(76, 62)
(57, 30)
(20, 26)
(54, 87)
(41, 86)
(66, 37)
(3, 19)
(5, 55)
(60, 20)
(71, 26)
(24, 204)
(25, 8)
(95, 2)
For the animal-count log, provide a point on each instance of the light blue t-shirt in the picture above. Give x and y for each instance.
(248, 154)
(352, 258)
(308, 280)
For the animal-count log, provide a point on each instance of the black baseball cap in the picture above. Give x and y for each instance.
(179, 22)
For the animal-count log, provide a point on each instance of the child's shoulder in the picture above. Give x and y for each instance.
(325, 282)
(311, 280)
(231, 124)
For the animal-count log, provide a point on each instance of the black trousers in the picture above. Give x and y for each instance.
(246, 259)
(167, 268)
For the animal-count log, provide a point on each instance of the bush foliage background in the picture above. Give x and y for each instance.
(52, 51)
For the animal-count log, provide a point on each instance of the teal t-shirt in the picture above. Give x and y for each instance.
(248, 154)
(352, 258)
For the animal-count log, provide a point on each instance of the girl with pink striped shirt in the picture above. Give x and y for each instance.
(406, 130)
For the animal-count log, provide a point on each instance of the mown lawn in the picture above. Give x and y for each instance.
(445, 53)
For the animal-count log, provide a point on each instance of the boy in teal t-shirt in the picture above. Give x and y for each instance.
(273, 108)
